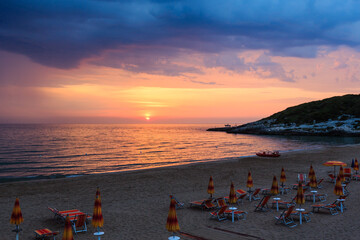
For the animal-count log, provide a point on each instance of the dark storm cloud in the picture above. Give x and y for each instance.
(62, 33)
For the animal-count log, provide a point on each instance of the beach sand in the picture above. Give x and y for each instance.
(135, 204)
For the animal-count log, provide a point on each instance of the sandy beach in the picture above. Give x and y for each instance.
(135, 204)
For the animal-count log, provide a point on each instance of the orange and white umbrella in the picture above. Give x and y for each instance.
(300, 198)
(274, 187)
(312, 177)
(334, 164)
(249, 182)
(338, 190)
(172, 224)
(16, 217)
(341, 174)
(68, 234)
(282, 177)
(232, 194)
(356, 165)
(210, 189)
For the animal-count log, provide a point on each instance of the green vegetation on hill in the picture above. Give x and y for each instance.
(320, 111)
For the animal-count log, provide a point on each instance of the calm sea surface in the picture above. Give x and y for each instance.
(49, 151)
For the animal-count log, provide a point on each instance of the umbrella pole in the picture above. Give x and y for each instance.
(17, 232)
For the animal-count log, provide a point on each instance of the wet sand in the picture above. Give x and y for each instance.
(135, 204)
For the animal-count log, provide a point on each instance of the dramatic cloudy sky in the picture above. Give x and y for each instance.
(173, 61)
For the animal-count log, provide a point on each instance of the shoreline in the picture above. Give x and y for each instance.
(62, 176)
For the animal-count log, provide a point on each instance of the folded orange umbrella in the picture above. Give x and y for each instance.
(232, 194)
(341, 174)
(16, 215)
(338, 190)
(282, 177)
(312, 177)
(300, 198)
(249, 182)
(211, 189)
(68, 235)
(274, 187)
(97, 219)
(172, 224)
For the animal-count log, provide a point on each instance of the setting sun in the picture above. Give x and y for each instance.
(147, 118)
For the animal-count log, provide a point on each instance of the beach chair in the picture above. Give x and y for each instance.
(332, 208)
(79, 225)
(221, 202)
(347, 174)
(263, 205)
(219, 214)
(203, 204)
(319, 183)
(332, 177)
(256, 194)
(45, 233)
(178, 204)
(285, 204)
(286, 218)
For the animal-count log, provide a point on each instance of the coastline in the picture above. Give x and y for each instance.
(135, 203)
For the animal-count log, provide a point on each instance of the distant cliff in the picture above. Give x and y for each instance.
(336, 116)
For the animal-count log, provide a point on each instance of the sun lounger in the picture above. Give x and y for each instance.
(203, 204)
(332, 177)
(262, 206)
(221, 202)
(79, 224)
(255, 194)
(347, 174)
(45, 233)
(178, 204)
(219, 214)
(62, 214)
(286, 218)
(332, 208)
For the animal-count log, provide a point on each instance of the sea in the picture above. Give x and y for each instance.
(41, 151)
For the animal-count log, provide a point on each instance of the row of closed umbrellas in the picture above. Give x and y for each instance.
(172, 224)
(97, 218)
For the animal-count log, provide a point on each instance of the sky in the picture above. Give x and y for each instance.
(160, 61)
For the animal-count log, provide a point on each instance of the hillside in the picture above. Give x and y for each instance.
(335, 116)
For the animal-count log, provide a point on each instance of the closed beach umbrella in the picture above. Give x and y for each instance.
(97, 219)
(356, 165)
(334, 164)
(282, 177)
(249, 182)
(68, 235)
(338, 190)
(232, 195)
(352, 163)
(312, 177)
(16, 217)
(172, 224)
(274, 187)
(341, 174)
(300, 198)
(211, 189)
